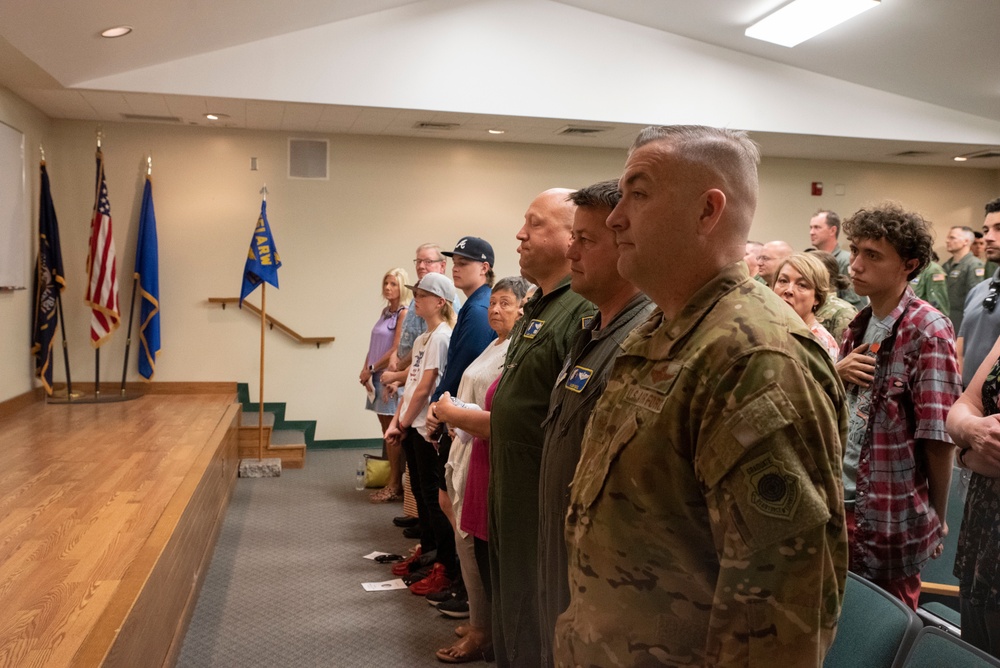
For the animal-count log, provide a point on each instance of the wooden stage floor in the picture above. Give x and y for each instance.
(108, 517)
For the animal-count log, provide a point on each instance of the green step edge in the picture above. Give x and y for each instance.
(307, 427)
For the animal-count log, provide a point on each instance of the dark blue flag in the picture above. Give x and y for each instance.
(262, 260)
(147, 270)
(49, 282)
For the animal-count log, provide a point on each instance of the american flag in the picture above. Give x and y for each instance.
(102, 276)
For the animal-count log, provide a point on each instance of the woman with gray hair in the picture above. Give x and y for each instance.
(465, 504)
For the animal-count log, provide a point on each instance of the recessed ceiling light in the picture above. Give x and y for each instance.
(495, 132)
(959, 158)
(803, 19)
(215, 117)
(117, 31)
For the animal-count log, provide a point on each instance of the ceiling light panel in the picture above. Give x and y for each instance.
(803, 19)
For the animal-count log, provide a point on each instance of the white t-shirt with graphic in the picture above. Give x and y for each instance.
(430, 351)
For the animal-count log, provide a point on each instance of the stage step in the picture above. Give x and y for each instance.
(288, 445)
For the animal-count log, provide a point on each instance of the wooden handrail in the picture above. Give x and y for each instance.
(318, 340)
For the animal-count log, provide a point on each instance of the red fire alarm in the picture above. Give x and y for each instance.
(817, 188)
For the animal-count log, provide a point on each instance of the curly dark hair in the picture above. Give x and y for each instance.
(909, 233)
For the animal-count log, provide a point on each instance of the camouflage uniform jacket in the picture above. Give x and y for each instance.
(538, 345)
(706, 520)
(577, 389)
(835, 315)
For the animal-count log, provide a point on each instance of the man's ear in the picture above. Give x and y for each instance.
(713, 203)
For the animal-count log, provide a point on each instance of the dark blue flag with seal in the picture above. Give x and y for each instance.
(49, 282)
(147, 270)
(262, 260)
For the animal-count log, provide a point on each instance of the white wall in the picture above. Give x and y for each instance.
(16, 367)
(337, 237)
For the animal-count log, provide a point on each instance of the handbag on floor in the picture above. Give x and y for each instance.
(376, 471)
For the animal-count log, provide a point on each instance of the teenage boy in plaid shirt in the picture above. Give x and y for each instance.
(899, 366)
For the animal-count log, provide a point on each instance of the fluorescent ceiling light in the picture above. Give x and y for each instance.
(495, 132)
(802, 19)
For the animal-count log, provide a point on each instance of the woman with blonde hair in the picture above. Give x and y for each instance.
(383, 342)
(804, 283)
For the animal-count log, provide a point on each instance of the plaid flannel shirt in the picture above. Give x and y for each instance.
(916, 382)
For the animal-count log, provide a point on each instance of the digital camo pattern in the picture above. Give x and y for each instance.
(706, 524)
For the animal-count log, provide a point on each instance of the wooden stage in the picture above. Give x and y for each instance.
(108, 518)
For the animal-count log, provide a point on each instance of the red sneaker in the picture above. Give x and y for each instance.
(403, 567)
(437, 581)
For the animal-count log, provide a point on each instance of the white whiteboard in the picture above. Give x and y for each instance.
(15, 249)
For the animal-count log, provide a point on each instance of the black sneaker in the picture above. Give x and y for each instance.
(455, 608)
(455, 591)
(404, 521)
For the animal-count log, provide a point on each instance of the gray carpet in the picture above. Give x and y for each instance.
(284, 585)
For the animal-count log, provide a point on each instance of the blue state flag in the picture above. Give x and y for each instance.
(147, 270)
(262, 260)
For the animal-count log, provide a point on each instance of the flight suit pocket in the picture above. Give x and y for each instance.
(593, 471)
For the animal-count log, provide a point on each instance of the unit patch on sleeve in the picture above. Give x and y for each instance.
(772, 490)
(531, 331)
(578, 378)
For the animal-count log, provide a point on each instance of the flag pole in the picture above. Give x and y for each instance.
(135, 282)
(97, 351)
(263, 329)
(65, 346)
(260, 402)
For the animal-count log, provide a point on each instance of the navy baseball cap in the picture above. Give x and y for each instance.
(473, 248)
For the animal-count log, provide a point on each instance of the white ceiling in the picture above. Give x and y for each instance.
(920, 65)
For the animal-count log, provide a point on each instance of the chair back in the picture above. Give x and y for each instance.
(875, 628)
(934, 648)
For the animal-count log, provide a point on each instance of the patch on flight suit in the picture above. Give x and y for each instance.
(980, 271)
(772, 489)
(578, 379)
(585, 321)
(954, 273)
(937, 278)
(531, 331)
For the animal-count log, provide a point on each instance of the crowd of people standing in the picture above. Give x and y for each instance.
(682, 435)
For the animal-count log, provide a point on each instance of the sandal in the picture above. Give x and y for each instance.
(464, 651)
(386, 495)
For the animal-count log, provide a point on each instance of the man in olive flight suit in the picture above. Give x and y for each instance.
(594, 270)
(538, 344)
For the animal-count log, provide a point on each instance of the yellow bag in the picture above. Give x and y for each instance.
(376, 471)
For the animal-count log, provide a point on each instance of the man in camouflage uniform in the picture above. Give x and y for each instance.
(593, 256)
(538, 344)
(706, 520)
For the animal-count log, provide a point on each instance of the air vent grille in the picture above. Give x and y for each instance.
(151, 119)
(428, 125)
(990, 153)
(581, 130)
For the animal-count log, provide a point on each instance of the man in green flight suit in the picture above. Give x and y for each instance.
(538, 345)
(932, 286)
(706, 518)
